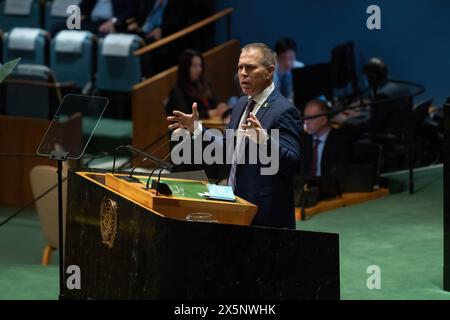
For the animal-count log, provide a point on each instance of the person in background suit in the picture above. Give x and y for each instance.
(262, 109)
(391, 111)
(286, 50)
(388, 117)
(106, 16)
(150, 18)
(324, 147)
(156, 19)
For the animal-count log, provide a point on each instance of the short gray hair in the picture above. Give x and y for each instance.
(268, 56)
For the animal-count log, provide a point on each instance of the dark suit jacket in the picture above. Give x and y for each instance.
(178, 14)
(273, 194)
(338, 149)
(392, 116)
(122, 9)
(386, 115)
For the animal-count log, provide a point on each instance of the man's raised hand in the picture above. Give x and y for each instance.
(183, 120)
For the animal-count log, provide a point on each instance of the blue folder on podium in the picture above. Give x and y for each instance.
(224, 193)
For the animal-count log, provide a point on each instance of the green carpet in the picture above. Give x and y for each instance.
(402, 234)
(21, 275)
(30, 282)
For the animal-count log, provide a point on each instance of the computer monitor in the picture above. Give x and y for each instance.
(343, 70)
(312, 82)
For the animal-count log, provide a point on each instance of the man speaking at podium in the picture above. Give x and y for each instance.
(261, 111)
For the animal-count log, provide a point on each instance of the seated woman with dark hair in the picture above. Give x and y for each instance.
(192, 87)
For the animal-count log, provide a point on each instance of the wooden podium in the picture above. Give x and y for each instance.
(130, 243)
(178, 206)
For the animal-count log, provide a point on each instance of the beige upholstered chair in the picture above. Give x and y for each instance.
(43, 178)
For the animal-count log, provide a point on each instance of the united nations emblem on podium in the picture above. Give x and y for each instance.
(108, 221)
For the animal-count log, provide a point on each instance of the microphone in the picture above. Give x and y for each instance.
(130, 177)
(145, 150)
(158, 186)
(162, 188)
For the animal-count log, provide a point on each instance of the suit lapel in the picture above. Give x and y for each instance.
(263, 110)
(266, 105)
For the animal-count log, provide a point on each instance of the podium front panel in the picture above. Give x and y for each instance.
(126, 251)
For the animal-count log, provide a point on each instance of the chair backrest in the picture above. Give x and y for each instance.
(72, 57)
(30, 44)
(43, 178)
(56, 14)
(1, 46)
(20, 13)
(118, 68)
(30, 91)
(420, 112)
(369, 153)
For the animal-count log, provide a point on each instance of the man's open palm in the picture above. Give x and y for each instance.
(183, 120)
